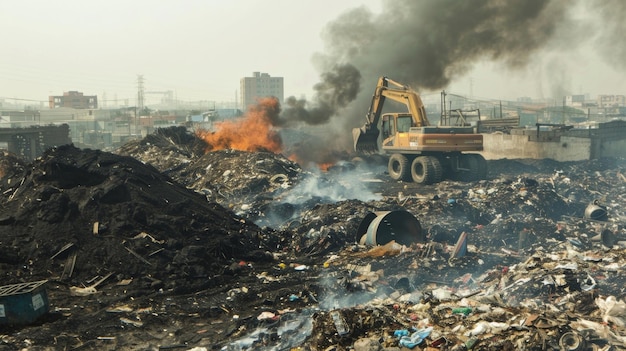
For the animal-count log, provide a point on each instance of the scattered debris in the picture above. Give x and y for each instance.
(210, 252)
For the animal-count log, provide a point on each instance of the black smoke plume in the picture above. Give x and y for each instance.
(429, 44)
(337, 88)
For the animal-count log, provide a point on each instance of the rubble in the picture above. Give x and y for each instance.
(10, 163)
(240, 180)
(173, 248)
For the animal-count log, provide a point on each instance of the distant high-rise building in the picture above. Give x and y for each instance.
(258, 86)
(73, 99)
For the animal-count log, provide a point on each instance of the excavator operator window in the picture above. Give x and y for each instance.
(404, 123)
(387, 127)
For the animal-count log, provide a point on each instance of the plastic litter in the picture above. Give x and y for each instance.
(400, 333)
(460, 249)
(416, 338)
(462, 310)
(340, 323)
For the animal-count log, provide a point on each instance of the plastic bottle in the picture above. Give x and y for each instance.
(469, 344)
(421, 334)
(340, 323)
(400, 333)
(462, 310)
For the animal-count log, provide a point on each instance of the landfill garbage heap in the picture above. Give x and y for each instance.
(166, 250)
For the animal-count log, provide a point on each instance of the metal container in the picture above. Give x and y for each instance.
(379, 228)
(596, 212)
(23, 303)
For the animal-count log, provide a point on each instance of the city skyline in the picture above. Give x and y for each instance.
(201, 49)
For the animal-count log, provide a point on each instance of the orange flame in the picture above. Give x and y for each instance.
(325, 166)
(322, 166)
(253, 132)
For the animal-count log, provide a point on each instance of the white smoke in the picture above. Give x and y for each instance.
(344, 181)
(331, 187)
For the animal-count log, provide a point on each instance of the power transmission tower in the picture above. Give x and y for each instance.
(140, 92)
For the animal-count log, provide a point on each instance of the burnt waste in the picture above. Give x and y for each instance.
(229, 249)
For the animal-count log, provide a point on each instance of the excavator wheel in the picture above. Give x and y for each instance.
(423, 170)
(398, 167)
(476, 167)
(481, 166)
(437, 169)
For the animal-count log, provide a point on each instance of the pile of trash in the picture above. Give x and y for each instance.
(264, 187)
(239, 180)
(167, 149)
(164, 246)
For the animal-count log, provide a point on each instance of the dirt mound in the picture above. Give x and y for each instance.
(115, 215)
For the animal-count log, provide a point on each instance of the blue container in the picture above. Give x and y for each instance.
(23, 303)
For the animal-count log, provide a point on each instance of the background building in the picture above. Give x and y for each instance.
(575, 100)
(73, 99)
(606, 101)
(260, 85)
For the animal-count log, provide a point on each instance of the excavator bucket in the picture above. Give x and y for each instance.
(365, 139)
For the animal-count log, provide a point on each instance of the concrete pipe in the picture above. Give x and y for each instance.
(379, 228)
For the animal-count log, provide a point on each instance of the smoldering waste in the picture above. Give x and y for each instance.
(106, 206)
(227, 250)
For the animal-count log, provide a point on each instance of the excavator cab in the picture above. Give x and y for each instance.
(388, 127)
(366, 138)
(404, 122)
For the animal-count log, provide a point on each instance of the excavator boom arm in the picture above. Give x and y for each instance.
(402, 94)
(366, 137)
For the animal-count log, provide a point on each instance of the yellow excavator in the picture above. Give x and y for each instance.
(417, 150)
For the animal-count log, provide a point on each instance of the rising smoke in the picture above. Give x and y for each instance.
(336, 89)
(610, 30)
(429, 44)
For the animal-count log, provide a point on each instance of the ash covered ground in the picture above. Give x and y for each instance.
(229, 250)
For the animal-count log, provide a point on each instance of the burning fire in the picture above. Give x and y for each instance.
(325, 166)
(322, 165)
(253, 132)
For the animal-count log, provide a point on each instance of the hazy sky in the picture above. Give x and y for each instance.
(201, 48)
(198, 48)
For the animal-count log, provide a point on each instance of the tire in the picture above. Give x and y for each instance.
(438, 173)
(481, 164)
(398, 167)
(448, 167)
(476, 167)
(422, 170)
